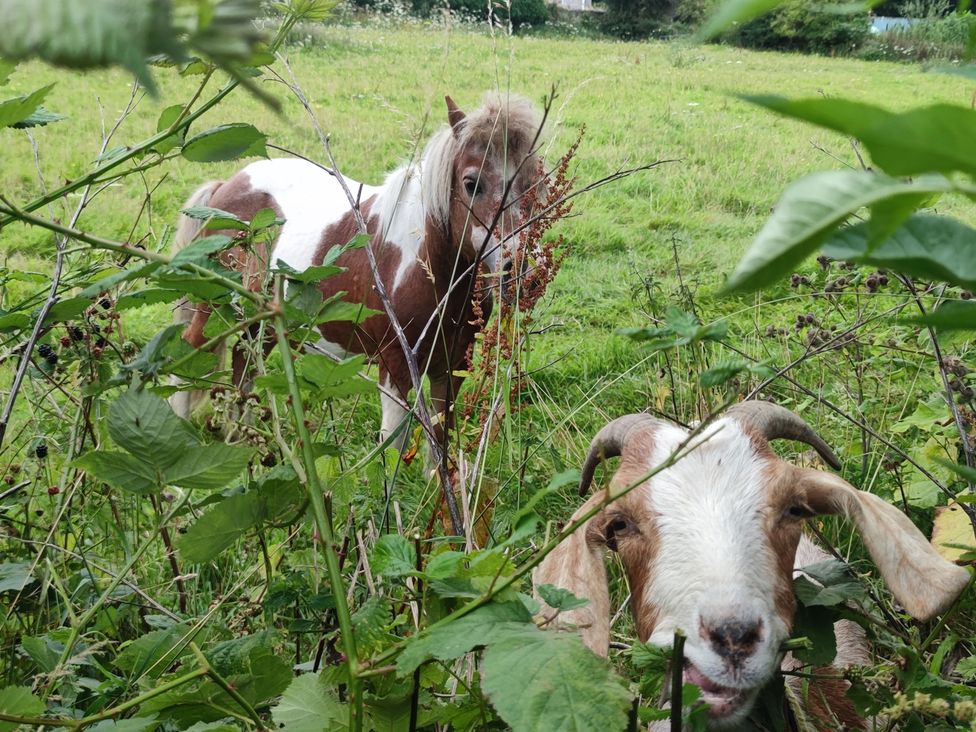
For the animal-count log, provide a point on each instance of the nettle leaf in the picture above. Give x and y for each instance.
(966, 668)
(560, 599)
(928, 246)
(120, 470)
(922, 140)
(808, 211)
(539, 680)
(680, 328)
(153, 653)
(478, 628)
(652, 658)
(146, 426)
(951, 315)
(226, 142)
(18, 701)
(18, 109)
(308, 705)
(88, 34)
(393, 556)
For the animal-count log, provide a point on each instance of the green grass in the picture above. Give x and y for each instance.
(378, 91)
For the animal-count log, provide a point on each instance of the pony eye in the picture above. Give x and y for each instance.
(471, 187)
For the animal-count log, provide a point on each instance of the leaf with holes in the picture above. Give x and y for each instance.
(145, 426)
(538, 680)
(226, 142)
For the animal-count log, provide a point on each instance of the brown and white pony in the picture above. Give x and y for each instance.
(432, 224)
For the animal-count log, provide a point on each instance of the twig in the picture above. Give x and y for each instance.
(677, 679)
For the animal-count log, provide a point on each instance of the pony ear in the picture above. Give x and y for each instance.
(454, 114)
(922, 581)
(576, 564)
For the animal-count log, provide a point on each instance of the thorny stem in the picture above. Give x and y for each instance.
(323, 522)
(226, 686)
(98, 242)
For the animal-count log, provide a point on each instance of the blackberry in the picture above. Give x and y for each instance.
(75, 332)
(105, 303)
(52, 359)
(41, 450)
(45, 350)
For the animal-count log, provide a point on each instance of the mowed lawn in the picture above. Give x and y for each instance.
(379, 93)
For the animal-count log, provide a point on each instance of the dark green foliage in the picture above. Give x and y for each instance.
(523, 12)
(632, 19)
(798, 25)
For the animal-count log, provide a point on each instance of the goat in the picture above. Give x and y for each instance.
(710, 546)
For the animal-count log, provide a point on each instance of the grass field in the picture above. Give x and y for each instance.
(659, 238)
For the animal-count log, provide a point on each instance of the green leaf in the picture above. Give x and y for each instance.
(18, 701)
(963, 471)
(119, 470)
(817, 624)
(38, 118)
(559, 599)
(809, 210)
(966, 668)
(153, 653)
(928, 246)
(107, 279)
(219, 528)
(680, 328)
(166, 119)
(812, 595)
(951, 315)
(215, 218)
(15, 576)
(208, 467)
(90, 34)
(145, 426)
(393, 556)
(43, 651)
(722, 373)
(200, 249)
(332, 379)
(734, 11)
(131, 724)
(18, 109)
(308, 705)
(226, 142)
(549, 681)
(928, 139)
(478, 628)
(6, 69)
(152, 357)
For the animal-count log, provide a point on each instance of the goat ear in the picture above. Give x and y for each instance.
(454, 115)
(576, 564)
(922, 581)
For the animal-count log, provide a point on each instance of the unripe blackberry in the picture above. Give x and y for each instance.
(794, 279)
(824, 261)
(53, 490)
(65, 341)
(809, 317)
(966, 295)
(269, 460)
(40, 450)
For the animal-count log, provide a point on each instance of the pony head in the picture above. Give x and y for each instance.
(480, 172)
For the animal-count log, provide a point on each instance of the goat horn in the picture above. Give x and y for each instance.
(610, 442)
(775, 422)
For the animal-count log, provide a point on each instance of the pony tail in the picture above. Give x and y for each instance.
(187, 228)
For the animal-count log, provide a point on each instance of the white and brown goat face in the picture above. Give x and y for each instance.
(708, 545)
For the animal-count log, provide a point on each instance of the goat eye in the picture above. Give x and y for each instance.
(471, 187)
(616, 526)
(799, 511)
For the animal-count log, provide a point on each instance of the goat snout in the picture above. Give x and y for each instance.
(734, 639)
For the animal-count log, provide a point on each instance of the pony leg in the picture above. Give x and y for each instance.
(443, 391)
(393, 403)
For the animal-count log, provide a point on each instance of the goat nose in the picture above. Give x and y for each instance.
(732, 638)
